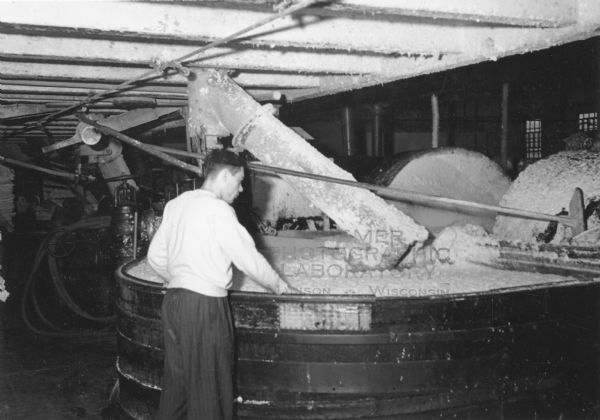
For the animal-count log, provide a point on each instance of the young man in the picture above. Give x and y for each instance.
(194, 248)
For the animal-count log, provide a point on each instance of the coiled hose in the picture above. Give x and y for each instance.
(30, 288)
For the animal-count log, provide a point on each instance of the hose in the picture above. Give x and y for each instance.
(57, 281)
(29, 285)
(36, 306)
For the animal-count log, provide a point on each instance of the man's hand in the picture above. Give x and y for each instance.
(285, 288)
(291, 290)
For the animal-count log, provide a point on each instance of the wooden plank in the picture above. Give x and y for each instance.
(21, 110)
(472, 404)
(512, 12)
(122, 58)
(203, 24)
(395, 347)
(360, 378)
(491, 309)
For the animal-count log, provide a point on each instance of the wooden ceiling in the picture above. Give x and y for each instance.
(60, 56)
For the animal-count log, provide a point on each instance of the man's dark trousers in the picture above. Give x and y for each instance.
(198, 378)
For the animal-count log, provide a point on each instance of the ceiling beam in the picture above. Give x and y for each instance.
(93, 52)
(16, 111)
(333, 85)
(85, 84)
(101, 76)
(66, 100)
(65, 90)
(509, 12)
(43, 95)
(192, 23)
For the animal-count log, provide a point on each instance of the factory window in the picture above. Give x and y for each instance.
(588, 121)
(533, 139)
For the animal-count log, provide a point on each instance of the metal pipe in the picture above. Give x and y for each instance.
(66, 175)
(138, 144)
(400, 195)
(420, 198)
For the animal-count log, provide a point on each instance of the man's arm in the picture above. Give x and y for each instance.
(157, 251)
(235, 240)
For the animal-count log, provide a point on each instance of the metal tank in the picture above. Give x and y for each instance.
(512, 353)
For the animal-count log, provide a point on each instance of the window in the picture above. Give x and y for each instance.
(588, 121)
(533, 139)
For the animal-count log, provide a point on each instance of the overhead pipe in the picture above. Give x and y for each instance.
(396, 194)
(138, 144)
(163, 153)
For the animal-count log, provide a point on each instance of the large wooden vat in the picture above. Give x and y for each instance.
(507, 354)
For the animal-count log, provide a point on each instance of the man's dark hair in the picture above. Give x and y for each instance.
(218, 159)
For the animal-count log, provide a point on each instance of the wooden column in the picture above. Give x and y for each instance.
(597, 83)
(348, 131)
(368, 133)
(384, 233)
(377, 130)
(597, 324)
(504, 127)
(435, 125)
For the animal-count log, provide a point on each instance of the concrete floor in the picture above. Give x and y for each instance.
(54, 378)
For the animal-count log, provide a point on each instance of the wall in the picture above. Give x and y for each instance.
(554, 85)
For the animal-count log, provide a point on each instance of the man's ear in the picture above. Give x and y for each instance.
(223, 175)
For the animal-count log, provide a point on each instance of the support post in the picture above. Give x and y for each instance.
(435, 125)
(377, 130)
(504, 133)
(597, 323)
(383, 231)
(368, 133)
(348, 131)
